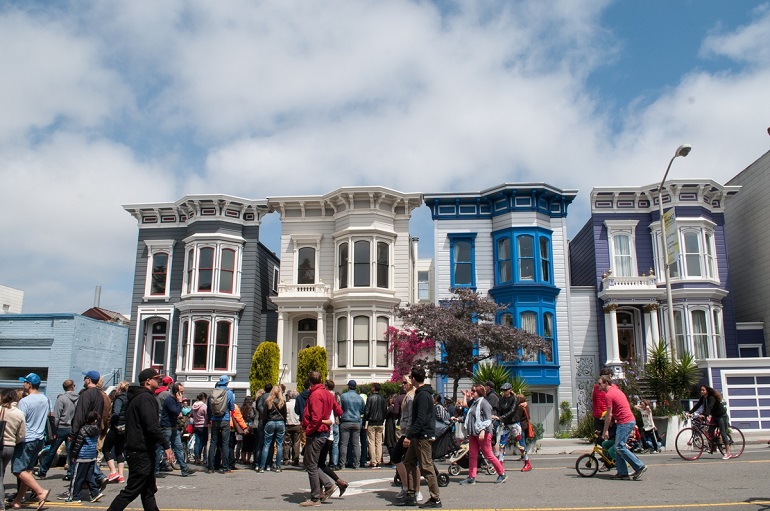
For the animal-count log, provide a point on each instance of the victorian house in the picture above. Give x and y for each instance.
(510, 242)
(347, 261)
(201, 286)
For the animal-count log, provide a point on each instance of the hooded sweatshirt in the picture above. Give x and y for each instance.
(64, 409)
(199, 414)
(423, 423)
(143, 431)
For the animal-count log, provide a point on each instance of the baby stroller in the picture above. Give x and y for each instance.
(460, 460)
(444, 445)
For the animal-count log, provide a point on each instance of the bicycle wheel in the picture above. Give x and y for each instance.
(737, 441)
(587, 465)
(689, 444)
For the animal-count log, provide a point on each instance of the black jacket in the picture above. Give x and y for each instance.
(376, 410)
(143, 431)
(90, 400)
(507, 408)
(118, 417)
(423, 418)
(494, 401)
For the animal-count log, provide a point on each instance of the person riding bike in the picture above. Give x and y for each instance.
(711, 401)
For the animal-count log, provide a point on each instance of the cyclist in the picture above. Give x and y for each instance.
(711, 401)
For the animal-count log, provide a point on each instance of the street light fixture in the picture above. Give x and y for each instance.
(683, 150)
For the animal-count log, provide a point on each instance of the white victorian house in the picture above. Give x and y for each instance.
(346, 261)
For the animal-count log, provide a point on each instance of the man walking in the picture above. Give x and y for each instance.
(170, 413)
(63, 411)
(374, 423)
(619, 409)
(316, 423)
(353, 407)
(35, 407)
(419, 441)
(143, 433)
(220, 404)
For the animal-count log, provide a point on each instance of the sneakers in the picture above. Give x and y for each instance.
(311, 503)
(39, 474)
(618, 477)
(98, 497)
(726, 457)
(468, 480)
(113, 477)
(527, 466)
(328, 492)
(418, 497)
(431, 503)
(121, 479)
(187, 472)
(63, 496)
(501, 478)
(408, 501)
(400, 495)
(638, 474)
(66, 478)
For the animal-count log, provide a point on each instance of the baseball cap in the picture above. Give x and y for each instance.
(352, 384)
(147, 374)
(93, 375)
(167, 380)
(224, 379)
(31, 378)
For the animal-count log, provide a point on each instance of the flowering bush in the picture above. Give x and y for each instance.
(407, 346)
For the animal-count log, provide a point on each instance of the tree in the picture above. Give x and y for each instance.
(311, 359)
(464, 328)
(264, 366)
(407, 346)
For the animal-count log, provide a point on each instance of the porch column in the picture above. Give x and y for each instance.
(652, 320)
(279, 340)
(320, 339)
(611, 334)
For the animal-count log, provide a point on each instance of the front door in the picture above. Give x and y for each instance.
(305, 338)
(626, 336)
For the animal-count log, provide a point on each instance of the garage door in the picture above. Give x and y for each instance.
(543, 410)
(748, 398)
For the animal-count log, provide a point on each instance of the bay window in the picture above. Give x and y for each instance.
(362, 340)
(207, 343)
(213, 265)
(366, 260)
(698, 330)
(697, 258)
(523, 255)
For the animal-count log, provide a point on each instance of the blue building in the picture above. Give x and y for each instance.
(510, 242)
(59, 347)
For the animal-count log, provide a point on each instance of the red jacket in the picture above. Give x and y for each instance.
(319, 406)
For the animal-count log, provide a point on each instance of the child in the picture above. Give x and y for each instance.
(84, 455)
(634, 442)
(649, 438)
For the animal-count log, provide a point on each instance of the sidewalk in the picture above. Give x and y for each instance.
(579, 445)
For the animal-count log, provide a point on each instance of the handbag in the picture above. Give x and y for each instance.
(50, 430)
(530, 429)
(2, 428)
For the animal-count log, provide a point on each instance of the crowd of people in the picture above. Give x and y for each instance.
(154, 428)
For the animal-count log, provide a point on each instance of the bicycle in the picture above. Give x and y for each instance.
(588, 464)
(693, 440)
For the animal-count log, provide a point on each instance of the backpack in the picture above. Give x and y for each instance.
(219, 402)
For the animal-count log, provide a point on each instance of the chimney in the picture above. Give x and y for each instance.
(97, 296)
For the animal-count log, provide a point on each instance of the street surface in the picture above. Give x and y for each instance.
(670, 483)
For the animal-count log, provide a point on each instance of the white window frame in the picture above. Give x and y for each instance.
(622, 228)
(374, 342)
(185, 346)
(315, 265)
(709, 264)
(373, 241)
(218, 242)
(155, 247)
(715, 337)
(305, 241)
(757, 347)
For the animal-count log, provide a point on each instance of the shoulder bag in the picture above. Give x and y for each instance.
(2, 427)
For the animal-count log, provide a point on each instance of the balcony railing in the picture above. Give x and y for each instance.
(644, 282)
(319, 290)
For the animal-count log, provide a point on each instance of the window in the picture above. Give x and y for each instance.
(548, 334)
(697, 257)
(342, 342)
(423, 285)
(360, 341)
(717, 333)
(159, 273)
(710, 266)
(545, 258)
(306, 265)
(158, 348)
(623, 262)
(159, 259)
(361, 264)
(462, 260)
(383, 264)
(749, 350)
(185, 342)
(381, 342)
(276, 277)
(222, 346)
(200, 345)
(529, 324)
(205, 269)
(503, 260)
(679, 332)
(526, 251)
(700, 335)
(692, 254)
(190, 259)
(507, 320)
(342, 265)
(227, 271)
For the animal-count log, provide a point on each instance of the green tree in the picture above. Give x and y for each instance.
(465, 329)
(311, 359)
(264, 366)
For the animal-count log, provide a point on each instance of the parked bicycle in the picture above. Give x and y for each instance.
(692, 440)
(588, 464)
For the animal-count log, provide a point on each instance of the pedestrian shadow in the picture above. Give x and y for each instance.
(388, 496)
(764, 502)
(295, 497)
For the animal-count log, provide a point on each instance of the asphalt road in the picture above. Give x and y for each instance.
(670, 483)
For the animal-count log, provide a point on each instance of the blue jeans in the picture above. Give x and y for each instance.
(336, 444)
(175, 440)
(61, 436)
(220, 441)
(201, 439)
(622, 454)
(273, 430)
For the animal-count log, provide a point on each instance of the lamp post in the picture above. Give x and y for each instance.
(683, 150)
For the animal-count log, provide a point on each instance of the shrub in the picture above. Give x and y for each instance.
(565, 417)
(309, 360)
(585, 428)
(264, 366)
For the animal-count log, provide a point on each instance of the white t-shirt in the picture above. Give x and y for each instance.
(35, 408)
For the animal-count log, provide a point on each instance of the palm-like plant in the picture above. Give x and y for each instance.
(670, 381)
(498, 375)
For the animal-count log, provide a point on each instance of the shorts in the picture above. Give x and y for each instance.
(398, 451)
(25, 456)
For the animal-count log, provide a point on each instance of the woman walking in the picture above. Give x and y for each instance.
(275, 428)
(15, 430)
(523, 419)
(478, 424)
(115, 441)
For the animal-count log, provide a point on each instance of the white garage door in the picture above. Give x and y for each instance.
(543, 410)
(747, 394)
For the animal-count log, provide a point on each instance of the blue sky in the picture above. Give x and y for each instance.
(111, 103)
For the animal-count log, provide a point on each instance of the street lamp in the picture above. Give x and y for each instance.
(683, 150)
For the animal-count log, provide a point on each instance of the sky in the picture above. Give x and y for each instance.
(111, 103)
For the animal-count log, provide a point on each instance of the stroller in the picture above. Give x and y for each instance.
(459, 460)
(444, 445)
